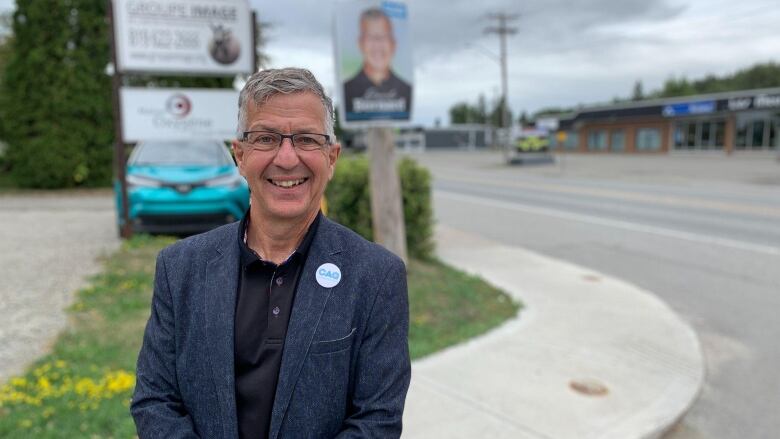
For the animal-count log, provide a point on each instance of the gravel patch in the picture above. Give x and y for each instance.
(51, 243)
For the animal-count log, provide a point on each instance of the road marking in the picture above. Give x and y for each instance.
(625, 225)
(668, 200)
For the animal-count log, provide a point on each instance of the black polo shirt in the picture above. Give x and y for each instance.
(263, 305)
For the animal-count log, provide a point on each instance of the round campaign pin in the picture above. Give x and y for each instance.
(328, 275)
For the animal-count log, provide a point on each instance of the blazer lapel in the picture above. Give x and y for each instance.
(221, 275)
(309, 303)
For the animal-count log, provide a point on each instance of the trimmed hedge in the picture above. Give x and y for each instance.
(349, 201)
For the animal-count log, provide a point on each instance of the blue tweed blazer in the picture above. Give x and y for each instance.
(345, 365)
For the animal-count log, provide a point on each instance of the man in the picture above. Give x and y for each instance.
(376, 89)
(284, 325)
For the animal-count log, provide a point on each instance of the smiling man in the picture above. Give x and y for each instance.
(375, 91)
(285, 324)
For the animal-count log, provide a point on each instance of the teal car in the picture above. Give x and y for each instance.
(182, 187)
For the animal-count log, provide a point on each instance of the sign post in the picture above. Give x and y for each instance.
(120, 157)
(386, 207)
(374, 70)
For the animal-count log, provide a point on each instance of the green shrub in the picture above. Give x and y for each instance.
(349, 201)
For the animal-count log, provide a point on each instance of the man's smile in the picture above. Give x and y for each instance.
(287, 183)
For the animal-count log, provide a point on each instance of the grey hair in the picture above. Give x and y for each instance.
(264, 84)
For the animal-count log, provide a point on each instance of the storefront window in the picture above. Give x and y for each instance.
(648, 139)
(699, 134)
(706, 138)
(757, 130)
(691, 135)
(597, 140)
(679, 135)
(572, 141)
(757, 134)
(617, 142)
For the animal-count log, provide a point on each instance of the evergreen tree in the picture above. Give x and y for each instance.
(638, 94)
(56, 97)
(496, 116)
(523, 120)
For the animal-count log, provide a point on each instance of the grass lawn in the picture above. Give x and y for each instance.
(83, 388)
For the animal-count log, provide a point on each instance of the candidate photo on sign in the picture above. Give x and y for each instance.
(376, 91)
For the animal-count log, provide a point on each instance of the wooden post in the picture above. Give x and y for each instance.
(120, 159)
(386, 205)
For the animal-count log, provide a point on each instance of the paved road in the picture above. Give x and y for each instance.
(49, 245)
(702, 232)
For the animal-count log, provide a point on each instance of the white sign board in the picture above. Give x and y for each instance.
(373, 62)
(178, 114)
(212, 37)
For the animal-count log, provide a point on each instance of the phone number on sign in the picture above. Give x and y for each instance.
(163, 39)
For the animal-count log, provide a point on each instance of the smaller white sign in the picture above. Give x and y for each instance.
(178, 114)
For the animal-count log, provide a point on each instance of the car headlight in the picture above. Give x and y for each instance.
(138, 181)
(230, 180)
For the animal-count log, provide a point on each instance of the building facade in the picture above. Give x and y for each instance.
(728, 122)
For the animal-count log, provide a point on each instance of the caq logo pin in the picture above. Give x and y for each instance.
(328, 275)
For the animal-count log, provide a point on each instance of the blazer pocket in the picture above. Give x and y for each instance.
(331, 346)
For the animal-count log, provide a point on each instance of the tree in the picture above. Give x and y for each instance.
(5, 45)
(464, 112)
(637, 94)
(523, 119)
(262, 29)
(758, 76)
(56, 97)
(459, 113)
(496, 115)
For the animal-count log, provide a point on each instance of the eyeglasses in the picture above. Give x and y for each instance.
(270, 141)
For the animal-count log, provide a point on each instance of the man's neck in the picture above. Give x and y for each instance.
(275, 241)
(376, 76)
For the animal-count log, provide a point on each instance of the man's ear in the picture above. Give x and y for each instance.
(333, 156)
(238, 155)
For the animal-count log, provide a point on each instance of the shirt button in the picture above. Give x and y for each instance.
(279, 280)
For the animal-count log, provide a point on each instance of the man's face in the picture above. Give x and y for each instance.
(377, 44)
(267, 172)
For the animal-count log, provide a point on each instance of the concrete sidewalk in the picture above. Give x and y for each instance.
(639, 365)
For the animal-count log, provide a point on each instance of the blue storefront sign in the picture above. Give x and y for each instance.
(688, 108)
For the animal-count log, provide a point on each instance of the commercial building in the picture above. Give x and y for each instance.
(734, 121)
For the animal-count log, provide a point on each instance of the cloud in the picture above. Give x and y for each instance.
(565, 52)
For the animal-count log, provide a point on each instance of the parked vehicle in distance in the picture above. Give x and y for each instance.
(529, 146)
(182, 187)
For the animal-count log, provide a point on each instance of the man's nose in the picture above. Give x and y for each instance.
(286, 157)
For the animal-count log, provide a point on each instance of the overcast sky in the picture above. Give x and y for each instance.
(566, 52)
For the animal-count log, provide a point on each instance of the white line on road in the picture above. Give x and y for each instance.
(625, 225)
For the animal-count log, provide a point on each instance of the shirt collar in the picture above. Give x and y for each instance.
(249, 256)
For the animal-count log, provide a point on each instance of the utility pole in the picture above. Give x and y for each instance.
(503, 30)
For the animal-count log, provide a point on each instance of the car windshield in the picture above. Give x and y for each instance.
(181, 153)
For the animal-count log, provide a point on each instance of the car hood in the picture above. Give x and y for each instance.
(181, 174)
